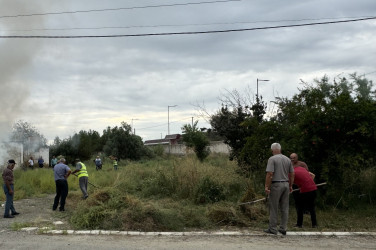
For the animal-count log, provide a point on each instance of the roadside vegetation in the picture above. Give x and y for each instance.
(329, 124)
(178, 194)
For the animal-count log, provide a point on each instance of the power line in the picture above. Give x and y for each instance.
(164, 124)
(186, 25)
(116, 9)
(190, 33)
(369, 73)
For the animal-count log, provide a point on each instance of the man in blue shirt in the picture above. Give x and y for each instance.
(61, 173)
(98, 163)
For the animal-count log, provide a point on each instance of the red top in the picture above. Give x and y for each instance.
(304, 180)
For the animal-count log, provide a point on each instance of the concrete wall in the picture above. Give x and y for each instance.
(181, 149)
(15, 151)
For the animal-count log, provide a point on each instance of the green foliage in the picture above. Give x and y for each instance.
(123, 200)
(330, 125)
(159, 195)
(335, 124)
(227, 123)
(161, 184)
(197, 140)
(122, 143)
(158, 150)
(117, 141)
(208, 191)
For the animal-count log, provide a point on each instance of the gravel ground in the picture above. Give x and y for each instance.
(38, 212)
(34, 212)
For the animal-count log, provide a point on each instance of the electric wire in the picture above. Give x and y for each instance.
(116, 9)
(183, 25)
(184, 33)
(145, 128)
(369, 73)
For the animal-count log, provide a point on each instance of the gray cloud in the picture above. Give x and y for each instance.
(74, 84)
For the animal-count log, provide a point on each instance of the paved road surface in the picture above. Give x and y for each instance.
(24, 240)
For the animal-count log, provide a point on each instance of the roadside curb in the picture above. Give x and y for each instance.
(199, 233)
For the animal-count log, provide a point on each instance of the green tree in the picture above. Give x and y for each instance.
(227, 123)
(197, 140)
(331, 126)
(120, 142)
(240, 124)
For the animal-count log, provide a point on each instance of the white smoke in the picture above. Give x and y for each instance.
(16, 55)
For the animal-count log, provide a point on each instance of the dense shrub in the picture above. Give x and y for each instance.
(208, 191)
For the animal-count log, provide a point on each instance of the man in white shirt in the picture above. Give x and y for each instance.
(31, 163)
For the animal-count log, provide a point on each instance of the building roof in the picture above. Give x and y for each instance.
(157, 142)
(166, 140)
(173, 136)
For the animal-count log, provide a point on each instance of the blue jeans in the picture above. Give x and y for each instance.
(9, 201)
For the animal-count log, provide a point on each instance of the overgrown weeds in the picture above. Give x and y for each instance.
(173, 194)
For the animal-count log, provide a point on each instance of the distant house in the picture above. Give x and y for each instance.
(168, 140)
(173, 144)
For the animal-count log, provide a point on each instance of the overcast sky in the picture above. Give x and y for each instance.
(62, 86)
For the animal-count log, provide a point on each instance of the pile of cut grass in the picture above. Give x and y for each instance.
(163, 195)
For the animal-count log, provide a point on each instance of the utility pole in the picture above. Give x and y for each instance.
(168, 118)
(134, 130)
(259, 80)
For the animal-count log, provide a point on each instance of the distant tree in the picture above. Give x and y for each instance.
(227, 123)
(117, 141)
(196, 139)
(31, 139)
(121, 142)
(81, 145)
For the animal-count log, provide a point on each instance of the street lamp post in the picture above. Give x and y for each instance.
(260, 80)
(168, 118)
(134, 119)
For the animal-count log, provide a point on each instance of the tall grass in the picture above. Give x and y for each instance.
(164, 194)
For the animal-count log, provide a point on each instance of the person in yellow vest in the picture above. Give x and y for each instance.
(115, 163)
(83, 177)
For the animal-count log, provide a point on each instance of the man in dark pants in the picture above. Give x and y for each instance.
(296, 163)
(304, 180)
(9, 189)
(61, 173)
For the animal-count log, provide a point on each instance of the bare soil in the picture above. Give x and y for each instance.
(34, 212)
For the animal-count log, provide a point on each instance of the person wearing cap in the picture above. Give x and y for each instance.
(83, 177)
(9, 190)
(61, 174)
